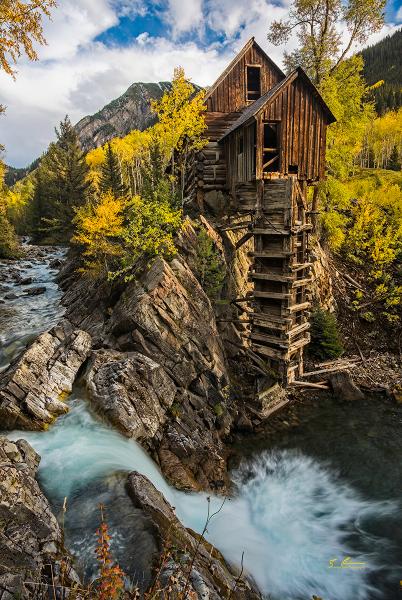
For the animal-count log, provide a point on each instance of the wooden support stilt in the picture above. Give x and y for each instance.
(279, 327)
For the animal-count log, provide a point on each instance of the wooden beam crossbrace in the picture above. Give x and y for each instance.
(244, 239)
(270, 162)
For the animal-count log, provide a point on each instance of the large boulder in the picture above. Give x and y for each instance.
(170, 318)
(344, 388)
(196, 566)
(33, 560)
(33, 388)
(131, 390)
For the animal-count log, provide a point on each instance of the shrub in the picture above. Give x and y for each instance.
(111, 579)
(209, 266)
(325, 338)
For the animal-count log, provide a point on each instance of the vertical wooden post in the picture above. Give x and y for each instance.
(259, 152)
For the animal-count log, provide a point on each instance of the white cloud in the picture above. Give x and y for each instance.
(184, 16)
(399, 15)
(77, 75)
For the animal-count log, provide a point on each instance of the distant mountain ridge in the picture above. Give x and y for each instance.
(132, 110)
(383, 62)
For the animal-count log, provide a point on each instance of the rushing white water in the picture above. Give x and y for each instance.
(290, 515)
(24, 317)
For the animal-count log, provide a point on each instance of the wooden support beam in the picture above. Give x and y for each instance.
(272, 277)
(270, 162)
(299, 329)
(236, 226)
(270, 352)
(302, 282)
(269, 339)
(268, 317)
(299, 343)
(265, 324)
(300, 266)
(270, 231)
(270, 254)
(273, 295)
(299, 307)
(243, 239)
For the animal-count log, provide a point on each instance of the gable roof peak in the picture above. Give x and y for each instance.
(234, 61)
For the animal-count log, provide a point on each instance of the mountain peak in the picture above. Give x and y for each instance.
(131, 110)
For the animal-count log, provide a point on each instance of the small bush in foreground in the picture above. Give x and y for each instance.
(325, 338)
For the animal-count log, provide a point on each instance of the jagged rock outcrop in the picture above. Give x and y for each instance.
(132, 110)
(321, 285)
(198, 565)
(132, 391)
(32, 556)
(33, 388)
(169, 316)
(165, 386)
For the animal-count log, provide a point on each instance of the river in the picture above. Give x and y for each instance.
(326, 491)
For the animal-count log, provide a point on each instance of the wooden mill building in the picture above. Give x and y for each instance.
(267, 137)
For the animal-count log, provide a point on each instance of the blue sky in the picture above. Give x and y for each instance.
(98, 48)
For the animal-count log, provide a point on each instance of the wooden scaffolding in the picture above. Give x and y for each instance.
(280, 272)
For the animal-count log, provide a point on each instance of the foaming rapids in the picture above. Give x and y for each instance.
(290, 515)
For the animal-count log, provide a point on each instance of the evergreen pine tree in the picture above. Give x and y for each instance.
(394, 162)
(61, 186)
(111, 179)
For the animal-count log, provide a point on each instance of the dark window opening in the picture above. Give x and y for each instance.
(271, 148)
(253, 75)
(293, 169)
(240, 144)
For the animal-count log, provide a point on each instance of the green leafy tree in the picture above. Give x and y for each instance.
(110, 177)
(320, 48)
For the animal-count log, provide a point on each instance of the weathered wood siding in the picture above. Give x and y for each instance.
(303, 126)
(230, 94)
(240, 167)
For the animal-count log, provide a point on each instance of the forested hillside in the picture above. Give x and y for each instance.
(382, 62)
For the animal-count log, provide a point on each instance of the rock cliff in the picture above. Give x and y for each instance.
(190, 563)
(132, 110)
(34, 563)
(32, 389)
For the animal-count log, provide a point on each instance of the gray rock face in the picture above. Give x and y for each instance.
(131, 390)
(165, 317)
(32, 389)
(30, 538)
(208, 575)
(168, 317)
(130, 111)
(171, 309)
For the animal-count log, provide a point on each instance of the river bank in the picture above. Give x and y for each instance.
(292, 508)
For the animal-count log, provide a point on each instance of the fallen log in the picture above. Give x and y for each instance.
(329, 370)
(309, 384)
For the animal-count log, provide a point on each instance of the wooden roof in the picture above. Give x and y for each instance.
(252, 110)
(251, 42)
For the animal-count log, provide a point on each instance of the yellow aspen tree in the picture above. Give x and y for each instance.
(20, 27)
(181, 122)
